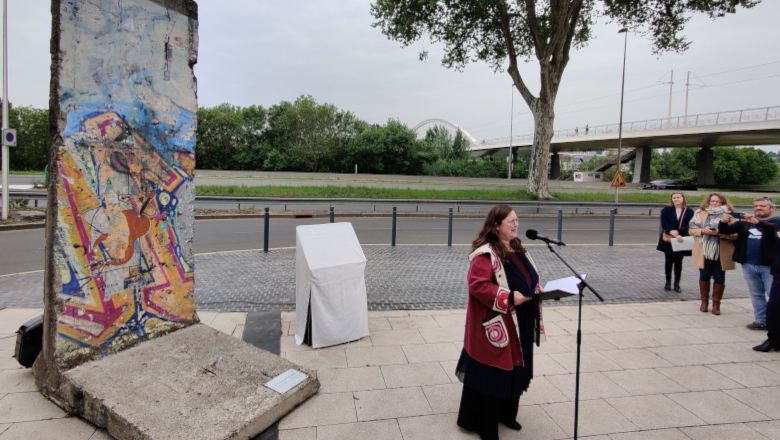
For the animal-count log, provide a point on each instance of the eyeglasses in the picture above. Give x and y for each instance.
(513, 223)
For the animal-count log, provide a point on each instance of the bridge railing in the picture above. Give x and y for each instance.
(705, 119)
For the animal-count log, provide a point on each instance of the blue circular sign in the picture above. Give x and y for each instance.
(9, 137)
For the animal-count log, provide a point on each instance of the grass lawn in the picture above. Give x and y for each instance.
(26, 172)
(450, 194)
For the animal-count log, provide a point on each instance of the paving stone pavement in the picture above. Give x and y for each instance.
(658, 370)
(414, 277)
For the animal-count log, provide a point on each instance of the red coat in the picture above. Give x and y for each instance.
(485, 299)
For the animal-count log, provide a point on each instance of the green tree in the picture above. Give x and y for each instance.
(308, 132)
(743, 166)
(365, 150)
(522, 165)
(499, 32)
(728, 164)
(487, 167)
(225, 133)
(762, 169)
(678, 164)
(33, 139)
(460, 147)
(392, 148)
(439, 142)
(732, 166)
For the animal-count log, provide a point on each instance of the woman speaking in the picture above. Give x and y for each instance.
(502, 320)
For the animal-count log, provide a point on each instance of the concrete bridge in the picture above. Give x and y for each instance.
(758, 126)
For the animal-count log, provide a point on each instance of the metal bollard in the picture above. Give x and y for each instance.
(611, 226)
(560, 223)
(394, 213)
(266, 221)
(449, 231)
(331, 215)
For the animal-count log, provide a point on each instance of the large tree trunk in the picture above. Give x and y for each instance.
(544, 116)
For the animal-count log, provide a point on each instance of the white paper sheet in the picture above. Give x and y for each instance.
(568, 285)
(686, 245)
(286, 381)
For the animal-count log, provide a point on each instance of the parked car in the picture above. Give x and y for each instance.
(667, 184)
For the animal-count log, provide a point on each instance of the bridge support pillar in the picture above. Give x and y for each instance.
(706, 168)
(642, 165)
(555, 166)
(510, 161)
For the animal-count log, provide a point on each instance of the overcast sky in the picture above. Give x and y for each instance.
(263, 52)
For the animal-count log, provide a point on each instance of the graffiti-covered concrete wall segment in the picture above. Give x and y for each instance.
(121, 252)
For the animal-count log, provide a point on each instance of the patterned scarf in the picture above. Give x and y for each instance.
(710, 243)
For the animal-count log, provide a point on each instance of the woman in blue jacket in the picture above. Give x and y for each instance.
(674, 221)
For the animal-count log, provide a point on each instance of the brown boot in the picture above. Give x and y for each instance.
(704, 289)
(717, 294)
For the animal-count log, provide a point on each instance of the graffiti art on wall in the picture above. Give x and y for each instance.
(125, 189)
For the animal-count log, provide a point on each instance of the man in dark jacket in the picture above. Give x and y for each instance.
(755, 251)
(772, 342)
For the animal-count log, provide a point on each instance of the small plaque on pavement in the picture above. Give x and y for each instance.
(286, 381)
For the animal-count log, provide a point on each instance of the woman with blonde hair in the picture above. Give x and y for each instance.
(502, 324)
(712, 251)
(674, 223)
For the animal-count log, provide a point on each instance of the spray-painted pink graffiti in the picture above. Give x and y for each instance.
(124, 176)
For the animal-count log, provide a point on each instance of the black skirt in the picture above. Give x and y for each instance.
(494, 381)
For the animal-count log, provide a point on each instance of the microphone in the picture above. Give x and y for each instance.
(533, 235)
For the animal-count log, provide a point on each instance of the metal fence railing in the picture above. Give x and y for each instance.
(394, 226)
(702, 120)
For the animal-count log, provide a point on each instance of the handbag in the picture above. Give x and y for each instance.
(495, 330)
(667, 237)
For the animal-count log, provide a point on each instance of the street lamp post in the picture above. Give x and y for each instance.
(5, 109)
(511, 126)
(620, 127)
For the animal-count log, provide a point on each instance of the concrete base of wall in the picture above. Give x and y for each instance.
(195, 383)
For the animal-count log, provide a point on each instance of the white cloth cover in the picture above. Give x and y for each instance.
(330, 269)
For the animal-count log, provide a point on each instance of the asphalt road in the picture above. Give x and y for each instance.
(23, 251)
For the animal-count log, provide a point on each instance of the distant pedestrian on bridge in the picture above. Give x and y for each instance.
(674, 223)
(712, 251)
(586, 130)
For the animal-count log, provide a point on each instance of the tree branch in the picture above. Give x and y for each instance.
(533, 24)
(558, 24)
(506, 30)
(573, 19)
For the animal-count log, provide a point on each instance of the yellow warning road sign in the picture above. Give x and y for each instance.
(618, 181)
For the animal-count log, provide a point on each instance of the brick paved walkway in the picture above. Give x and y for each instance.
(649, 371)
(408, 277)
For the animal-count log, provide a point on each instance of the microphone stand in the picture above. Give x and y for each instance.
(581, 286)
